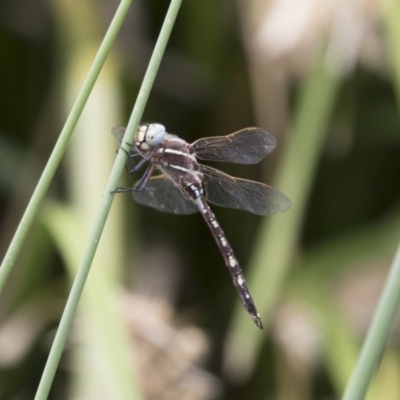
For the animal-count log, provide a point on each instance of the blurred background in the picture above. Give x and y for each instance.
(159, 318)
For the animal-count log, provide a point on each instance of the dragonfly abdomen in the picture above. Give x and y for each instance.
(230, 259)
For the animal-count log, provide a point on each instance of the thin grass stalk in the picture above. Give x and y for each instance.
(278, 235)
(374, 344)
(61, 145)
(372, 350)
(84, 267)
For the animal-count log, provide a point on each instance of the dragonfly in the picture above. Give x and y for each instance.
(184, 186)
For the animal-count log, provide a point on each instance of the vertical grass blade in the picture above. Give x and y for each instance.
(59, 148)
(84, 267)
(373, 348)
(378, 333)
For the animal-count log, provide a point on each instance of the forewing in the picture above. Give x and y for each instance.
(162, 194)
(257, 198)
(247, 146)
(118, 133)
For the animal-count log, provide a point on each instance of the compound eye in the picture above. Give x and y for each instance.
(154, 134)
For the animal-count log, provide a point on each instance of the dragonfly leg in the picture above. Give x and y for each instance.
(140, 184)
(135, 167)
(121, 189)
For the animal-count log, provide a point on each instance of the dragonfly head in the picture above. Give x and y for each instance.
(149, 136)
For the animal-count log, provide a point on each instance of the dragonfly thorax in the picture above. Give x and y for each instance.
(149, 135)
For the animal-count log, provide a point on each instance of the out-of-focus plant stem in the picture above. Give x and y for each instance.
(61, 145)
(277, 239)
(103, 347)
(378, 333)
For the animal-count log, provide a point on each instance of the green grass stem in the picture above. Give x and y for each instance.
(61, 145)
(375, 341)
(374, 345)
(319, 274)
(84, 267)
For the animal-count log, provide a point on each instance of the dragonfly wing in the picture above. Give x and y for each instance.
(247, 146)
(160, 193)
(118, 133)
(224, 190)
